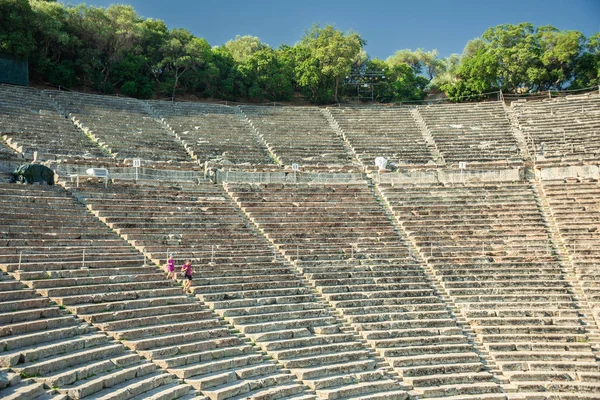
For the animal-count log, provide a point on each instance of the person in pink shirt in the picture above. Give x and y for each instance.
(171, 274)
(187, 272)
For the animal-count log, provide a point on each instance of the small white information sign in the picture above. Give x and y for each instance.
(137, 162)
(462, 164)
(295, 167)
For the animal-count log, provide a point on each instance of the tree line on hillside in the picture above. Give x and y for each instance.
(114, 50)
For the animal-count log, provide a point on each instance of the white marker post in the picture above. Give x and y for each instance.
(136, 164)
(462, 165)
(295, 168)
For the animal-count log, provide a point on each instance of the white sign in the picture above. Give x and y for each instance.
(295, 167)
(137, 162)
(381, 162)
(462, 164)
(99, 172)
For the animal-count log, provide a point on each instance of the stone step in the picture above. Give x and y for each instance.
(134, 385)
(266, 309)
(245, 387)
(316, 350)
(493, 396)
(325, 360)
(148, 344)
(423, 350)
(566, 366)
(111, 309)
(449, 379)
(544, 356)
(12, 343)
(24, 390)
(211, 366)
(361, 389)
(288, 324)
(158, 319)
(220, 339)
(335, 369)
(452, 391)
(439, 369)
(29, 315)
(308, 340)
(417, 341)
(24, 304)
(68, 300)
(44, 350)
(281, 391)
(169, 391)
(421, 360)
(89, 369)
(70, 359)
(346, 379)
(215, 354)
(165, 329)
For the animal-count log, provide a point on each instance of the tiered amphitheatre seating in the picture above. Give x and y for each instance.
(212, 132)
(383, 132)
(243, 282)
(488, 246)
(9, 160)
(298, 135)
(51, 353)
(344, 244)
(121, 125)
(563, 131)
(130, 301)
(477, 133)
(576, 209)
(29, 122)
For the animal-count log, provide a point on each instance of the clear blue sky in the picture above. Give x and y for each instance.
(386, 25)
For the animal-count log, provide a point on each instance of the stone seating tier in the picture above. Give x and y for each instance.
(575, 209)
(298, 135)
(122, 126)
(251, 289)
(376, 132)
(502, 277)
(135, 305)
(212, 132)
(561, 131)
(471, 132)
(66, 356)
(30, 123)
(382, 293)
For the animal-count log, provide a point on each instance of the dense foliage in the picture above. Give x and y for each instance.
(114, 50)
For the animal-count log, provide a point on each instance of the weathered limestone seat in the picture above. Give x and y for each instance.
(146, 313)
(510, 286)
(242, 280)
(298, 135)
(479, 134)
(212, 132)
(561, 131)
(383, 132)
(382, 292)
(63, 353)
(122, 126)
(29, 122)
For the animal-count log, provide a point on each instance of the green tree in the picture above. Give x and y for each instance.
(476, 75)
(243, 47)
(56, 46)
(265, 76)
(181, 53)
(559, 53)
(334, 51)
(16, 36)
(587, 67)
